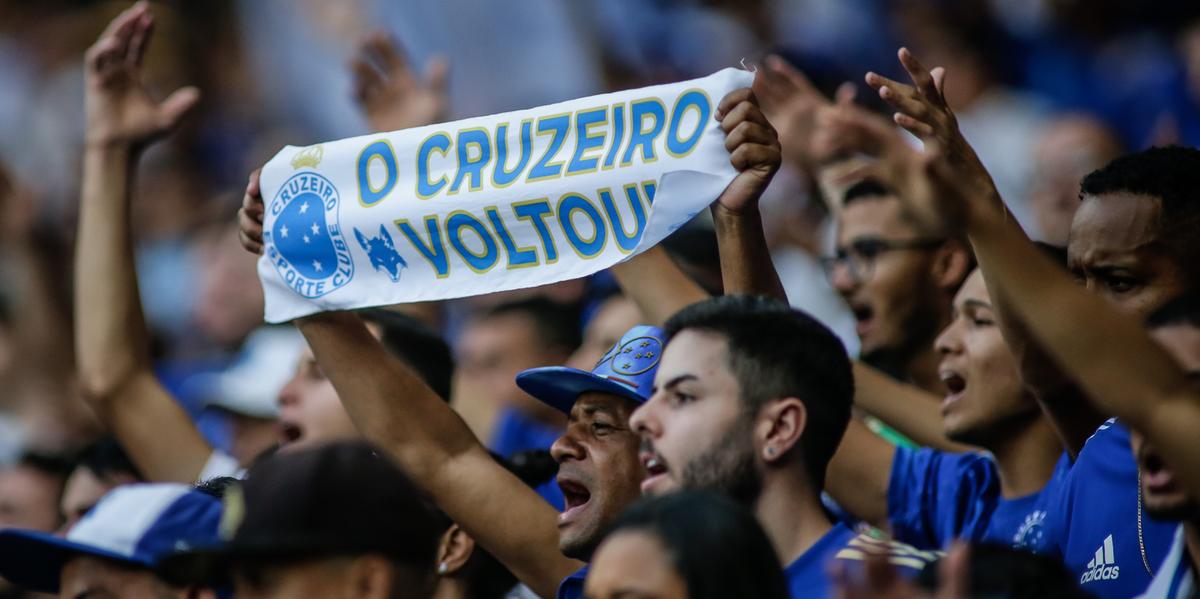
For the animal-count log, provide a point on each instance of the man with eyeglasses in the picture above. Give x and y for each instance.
(898, 284)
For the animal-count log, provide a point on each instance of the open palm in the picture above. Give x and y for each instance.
(119, 108)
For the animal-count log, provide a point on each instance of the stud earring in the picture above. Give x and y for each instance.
(442, 569)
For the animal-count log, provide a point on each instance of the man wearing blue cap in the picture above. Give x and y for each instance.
(115, 550)
(599, 471)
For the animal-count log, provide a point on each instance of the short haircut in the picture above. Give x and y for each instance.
(1183, 310)
(776, 352)
(866, 188)
(106, 459)
(700, 530)
(418, 345)
(556, 325)
(1171, 175)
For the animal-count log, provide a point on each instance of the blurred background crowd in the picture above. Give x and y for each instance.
(1047, 90)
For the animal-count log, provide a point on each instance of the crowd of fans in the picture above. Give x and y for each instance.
(939, 338)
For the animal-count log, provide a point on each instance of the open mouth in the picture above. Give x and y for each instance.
(1155, 473)
(955, 386)
(862, 317)
(289, 432)
(575, 499)
(656, 470)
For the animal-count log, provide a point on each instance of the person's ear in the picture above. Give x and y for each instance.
(781, 423)
(952, 264)
(454, 550)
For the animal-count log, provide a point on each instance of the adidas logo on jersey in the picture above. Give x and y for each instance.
(1103, 566)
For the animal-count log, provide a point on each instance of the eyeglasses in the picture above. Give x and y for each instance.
(859, 257)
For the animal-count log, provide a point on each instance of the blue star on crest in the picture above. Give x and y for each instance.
(312, 255)
(645, 358)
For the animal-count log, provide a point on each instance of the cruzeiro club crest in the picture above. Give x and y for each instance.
(305, 241)
(1032, 532)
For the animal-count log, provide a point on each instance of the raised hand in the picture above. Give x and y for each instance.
(119, 109)
(390, 94)
(753, 147)
(790, 102)
(250, 216)
(923, 111)
(934, 193)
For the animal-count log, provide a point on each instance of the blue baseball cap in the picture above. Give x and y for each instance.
(137, 525)
(626, 370)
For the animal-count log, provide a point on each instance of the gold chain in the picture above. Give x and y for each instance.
(1141, 539)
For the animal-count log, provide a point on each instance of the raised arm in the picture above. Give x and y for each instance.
(746, 266)
(111, 338)
(923, 111)
(1122, 371)
(393, 408)
(859, 474)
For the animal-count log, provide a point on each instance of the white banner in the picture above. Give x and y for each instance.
(492, 203)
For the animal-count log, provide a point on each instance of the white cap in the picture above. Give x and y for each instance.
(251, 385)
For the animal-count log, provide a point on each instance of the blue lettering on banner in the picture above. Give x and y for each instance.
(698, 101)
(586, 141)
(625, 241)
(438, 142)
(381, 151)
(568, 206)
(501, 176)
(642, 137)
(305, 242)
(468, 166)
(479, 262)
(546, 167)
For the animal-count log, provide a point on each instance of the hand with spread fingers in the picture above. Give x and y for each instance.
(390, 94)
(119, 108)
(790, 102)
(753, 147)
(936, 195)
(923, 111)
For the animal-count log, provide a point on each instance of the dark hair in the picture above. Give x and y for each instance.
(1169, 174)
(1182, 310)
(716, 545)
(216, 487)
(776, 352)
(867, 188)
(556, 325)
(998, 570)
(53, 465)
(106, 459)
(417, 345)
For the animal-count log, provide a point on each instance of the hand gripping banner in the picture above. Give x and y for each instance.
(492, 203)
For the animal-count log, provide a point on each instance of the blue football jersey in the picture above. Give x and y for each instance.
(935, 497)
(1093, 524)
(572, 586)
